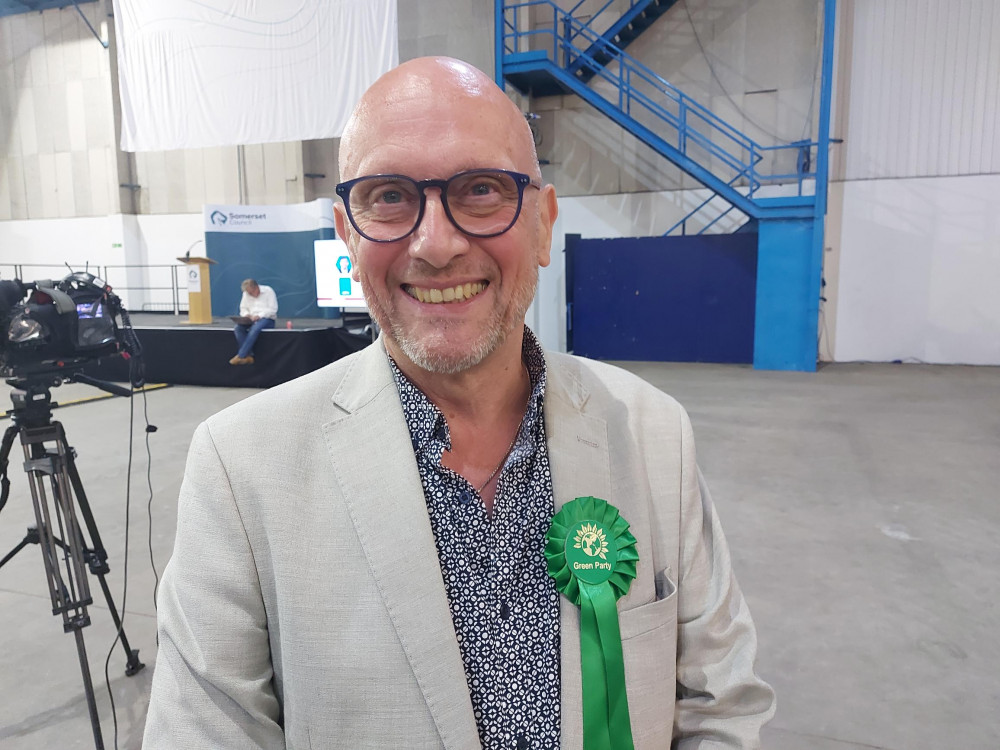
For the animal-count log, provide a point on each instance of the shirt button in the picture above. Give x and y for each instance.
(465, 497)
(504, 614)
(522, 742)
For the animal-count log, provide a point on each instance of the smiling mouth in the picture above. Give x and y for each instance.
(457, 293)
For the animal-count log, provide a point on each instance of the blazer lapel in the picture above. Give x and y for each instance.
(375, 467)
(580, 465)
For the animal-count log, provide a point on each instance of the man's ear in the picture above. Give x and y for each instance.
(548, 210)
(346, 233)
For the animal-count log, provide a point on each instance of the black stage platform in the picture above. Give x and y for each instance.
(199, 355)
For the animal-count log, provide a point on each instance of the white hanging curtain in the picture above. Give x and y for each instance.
(196, 73)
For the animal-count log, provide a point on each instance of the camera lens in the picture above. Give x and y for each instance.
(24, 329)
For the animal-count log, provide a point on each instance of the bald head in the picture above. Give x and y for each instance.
(434, 97)
(431, 120)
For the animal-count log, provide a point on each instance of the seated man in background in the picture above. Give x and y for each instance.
(260, 305)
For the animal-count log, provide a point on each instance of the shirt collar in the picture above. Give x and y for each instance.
(429, 429)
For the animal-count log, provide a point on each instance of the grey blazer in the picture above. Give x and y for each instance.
(303, 606)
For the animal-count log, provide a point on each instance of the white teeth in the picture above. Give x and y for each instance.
(450, 294)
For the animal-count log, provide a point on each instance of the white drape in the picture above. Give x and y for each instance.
(196, 73)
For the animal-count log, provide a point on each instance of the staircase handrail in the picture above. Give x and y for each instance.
(696, 209)
(718, 218)
(628, 95)
(622, 82)
(593, 17)
(628, 67)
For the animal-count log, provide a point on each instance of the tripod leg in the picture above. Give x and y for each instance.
(30, 538)
(98, 555)
(132, 663)
(75, 618)
(88, 686)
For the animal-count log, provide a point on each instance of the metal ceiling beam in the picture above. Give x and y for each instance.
(89, 25)
(18, 7)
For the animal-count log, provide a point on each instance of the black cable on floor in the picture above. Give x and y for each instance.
(128, 506)
(149, 504)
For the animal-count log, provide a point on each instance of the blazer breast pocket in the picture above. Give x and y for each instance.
(649, 647)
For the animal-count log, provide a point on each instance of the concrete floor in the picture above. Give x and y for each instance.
(861, 504)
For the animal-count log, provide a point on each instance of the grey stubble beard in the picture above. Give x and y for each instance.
(438, 358)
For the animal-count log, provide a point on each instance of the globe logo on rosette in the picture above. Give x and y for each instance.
(591, 539)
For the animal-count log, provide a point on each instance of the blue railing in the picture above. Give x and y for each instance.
(597, 15)
(647, 98)
(623, 29)
(682, 224)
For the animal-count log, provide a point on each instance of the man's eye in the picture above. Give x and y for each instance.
(483, 188)
(388, 195)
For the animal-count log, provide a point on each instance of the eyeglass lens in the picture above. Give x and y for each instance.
(480, 203)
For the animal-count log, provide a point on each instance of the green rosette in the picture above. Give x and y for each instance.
(592, 556)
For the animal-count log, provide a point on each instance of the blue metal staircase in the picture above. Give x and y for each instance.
(699, 211)
(624, 30)
(560, 54)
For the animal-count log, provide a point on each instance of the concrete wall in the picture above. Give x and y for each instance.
(918, 270)
(913, 238)
(57, 135)
(922, 89)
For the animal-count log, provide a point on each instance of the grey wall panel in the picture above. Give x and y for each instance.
(924, 89)
(64, 193)
(80, 180)
(55, 112)
(458, 28)
(99, 161)
(5, 205)
(14, 167)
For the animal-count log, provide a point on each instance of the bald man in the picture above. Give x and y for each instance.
(374, 575)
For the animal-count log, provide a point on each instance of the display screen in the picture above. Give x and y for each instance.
(334, 285)
(90, 310)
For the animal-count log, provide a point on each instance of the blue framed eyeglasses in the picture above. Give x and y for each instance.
(479, 202)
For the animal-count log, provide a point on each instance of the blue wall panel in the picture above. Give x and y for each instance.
(788, 289)
(665, 299)
(282, 260)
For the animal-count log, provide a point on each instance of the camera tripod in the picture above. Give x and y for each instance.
(50, 464)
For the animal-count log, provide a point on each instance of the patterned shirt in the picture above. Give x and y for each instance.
(504, 605)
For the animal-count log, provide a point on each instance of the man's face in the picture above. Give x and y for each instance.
(425, 135)
(253, 290)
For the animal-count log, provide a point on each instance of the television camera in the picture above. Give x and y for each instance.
(60, 328)
(46, 340)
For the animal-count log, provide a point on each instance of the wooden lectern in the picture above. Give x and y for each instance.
(199, 302)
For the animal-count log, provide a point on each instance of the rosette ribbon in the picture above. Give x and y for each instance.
(592, 556)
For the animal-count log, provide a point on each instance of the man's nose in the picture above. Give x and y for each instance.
(436, 240)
